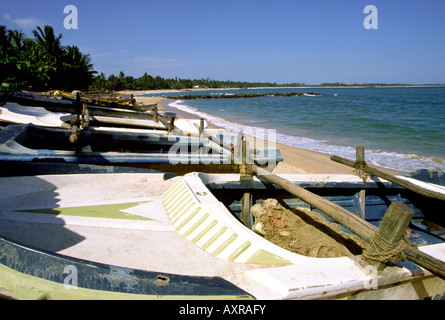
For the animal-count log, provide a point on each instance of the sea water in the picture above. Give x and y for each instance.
(399, 127)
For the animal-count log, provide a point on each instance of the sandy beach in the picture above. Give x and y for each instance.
(296, 160)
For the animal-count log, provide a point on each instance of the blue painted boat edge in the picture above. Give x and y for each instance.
(96, 276)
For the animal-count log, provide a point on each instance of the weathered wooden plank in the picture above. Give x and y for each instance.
(394, 223)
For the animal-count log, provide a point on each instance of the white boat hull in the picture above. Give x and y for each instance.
(177, 226)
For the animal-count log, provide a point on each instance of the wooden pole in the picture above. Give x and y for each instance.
(355, 224)
(246, 177)
(201, 126)
(78, 106)
(171, 125)
(360, 164)
(245, 209)
(358, 226)
(74, 129)
(155, 113)
(391, 178)
(362, 202)
(360, 155)
(85, 122)
(238, 144)
(223, 144)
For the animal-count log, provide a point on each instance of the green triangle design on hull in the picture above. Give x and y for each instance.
(109, 211)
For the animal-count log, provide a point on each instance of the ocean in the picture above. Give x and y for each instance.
(400, 127)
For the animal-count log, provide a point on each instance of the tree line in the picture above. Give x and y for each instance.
(148, 82)
(41, 63)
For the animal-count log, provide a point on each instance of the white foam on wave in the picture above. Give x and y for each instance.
(217, 121)
(393, 160)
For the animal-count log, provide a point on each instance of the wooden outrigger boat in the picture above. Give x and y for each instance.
(104, 100)
(100, 118)
(46, 112)
(137, 139)
(14, 113)
(164, 152)
(138, 235)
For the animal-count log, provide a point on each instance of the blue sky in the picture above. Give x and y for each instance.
(307, 41)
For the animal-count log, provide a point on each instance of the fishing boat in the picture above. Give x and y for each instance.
(102, 135)
(100, 119)
(14, 113)
(52, 114)
(105, 100)
(148, 236)
(24, 144)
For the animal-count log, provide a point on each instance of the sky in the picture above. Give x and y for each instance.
(282, 41)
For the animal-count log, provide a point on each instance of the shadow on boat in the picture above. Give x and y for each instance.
(16, 168)
(37, 233)
(37, 222)
(28, 223)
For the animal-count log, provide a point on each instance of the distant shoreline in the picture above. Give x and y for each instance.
(140, 92)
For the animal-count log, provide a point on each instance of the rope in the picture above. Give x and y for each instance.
(363, 171)
(360, 170)
(381, 250)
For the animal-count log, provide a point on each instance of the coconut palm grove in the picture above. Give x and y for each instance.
(42, 63)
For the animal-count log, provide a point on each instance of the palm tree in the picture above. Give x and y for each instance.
(78, 72)
(13, 73)
(41, 62)
(47, 41)
(4, 41)
(48, 54)
(17, 43)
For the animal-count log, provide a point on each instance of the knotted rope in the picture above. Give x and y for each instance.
(381, 250)
(361, 170)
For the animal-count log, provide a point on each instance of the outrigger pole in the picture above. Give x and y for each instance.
(397, 214)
